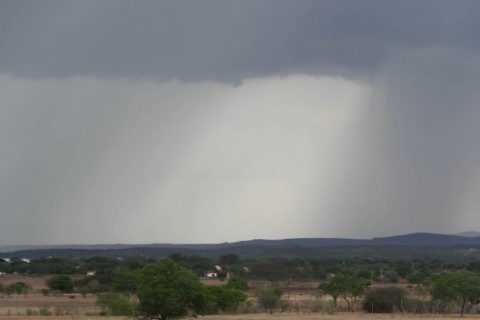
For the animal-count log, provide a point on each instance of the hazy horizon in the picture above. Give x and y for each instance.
(15, 247)
(213, 121)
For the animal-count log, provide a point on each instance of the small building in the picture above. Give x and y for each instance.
(91, 272)
(211, 275)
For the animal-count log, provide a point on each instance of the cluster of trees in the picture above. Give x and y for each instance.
(459, 289)
(275, 269)
(168, 290)
(14, 288)
(164, 289)
(387, 271)
(53, 265)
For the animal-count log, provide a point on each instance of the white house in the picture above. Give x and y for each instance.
(211, 275)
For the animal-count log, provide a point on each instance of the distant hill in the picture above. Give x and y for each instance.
(426, 239)
(469, 234)
(416, 244)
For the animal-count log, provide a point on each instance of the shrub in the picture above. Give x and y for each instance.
(61, 283)
(268, 297)
(383, 300)
(237, 283)
(391, 276)
(115, 304)
(224, 298)
(44, 311)
(415, 305)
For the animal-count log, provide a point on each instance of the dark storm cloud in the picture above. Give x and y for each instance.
(223, 40)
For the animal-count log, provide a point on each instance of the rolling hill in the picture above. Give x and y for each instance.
(395, 247)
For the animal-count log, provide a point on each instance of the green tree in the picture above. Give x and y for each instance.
(225, 299)
(347, 287)
(238, 283)
(62, 283)
(167, 290)
(268, 297)
(461, 288)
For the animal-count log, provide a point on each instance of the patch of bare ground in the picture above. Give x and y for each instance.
(35, 304)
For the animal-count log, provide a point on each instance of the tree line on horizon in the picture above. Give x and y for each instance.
(382, 270)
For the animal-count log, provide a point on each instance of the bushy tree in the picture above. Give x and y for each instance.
(167, 290)
(235, 282)
(347, 287)
(268, 297)
(224, 298)
(383, 300)
(461, 288)
(62, 283)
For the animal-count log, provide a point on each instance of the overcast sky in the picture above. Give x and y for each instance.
(213, 121)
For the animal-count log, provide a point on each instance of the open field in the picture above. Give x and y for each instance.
(31, 305)
(21, 307)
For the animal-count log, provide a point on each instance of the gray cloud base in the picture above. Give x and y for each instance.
(224, 40)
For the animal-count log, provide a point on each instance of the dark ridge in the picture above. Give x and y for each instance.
(422, 244)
